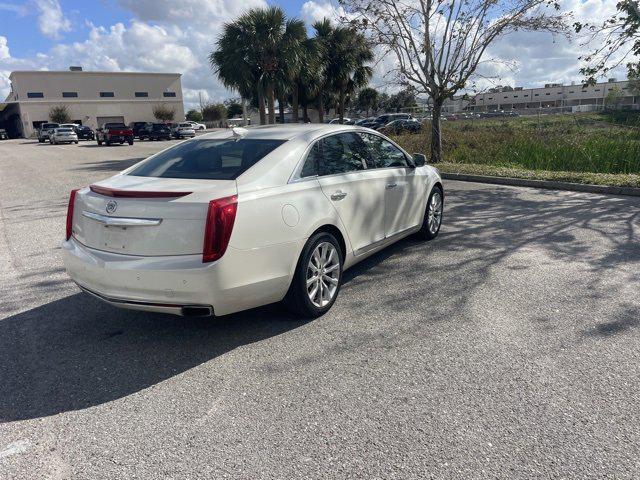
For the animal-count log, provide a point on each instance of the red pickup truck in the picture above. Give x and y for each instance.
(114, 133)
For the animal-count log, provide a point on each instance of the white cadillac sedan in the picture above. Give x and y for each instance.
(236, 219)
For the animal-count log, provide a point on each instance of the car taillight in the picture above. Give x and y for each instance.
(72, 201)
(217, 232)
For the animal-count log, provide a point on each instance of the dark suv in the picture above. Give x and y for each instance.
(136, 127)
(85, 133)
(155, 131)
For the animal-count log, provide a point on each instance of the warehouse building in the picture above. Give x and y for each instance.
(92, 98)
(553, 97)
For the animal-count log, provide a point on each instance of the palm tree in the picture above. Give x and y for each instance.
(304, 89)
(322, 45)
(260, 49)
(346, 68)
(234, 66)
(368, 99)
(344, 54)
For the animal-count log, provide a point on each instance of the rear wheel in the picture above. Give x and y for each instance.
(99, 142)
(432, 215)
(316, 282)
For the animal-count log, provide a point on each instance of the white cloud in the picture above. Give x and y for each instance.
(4, 48)
(313, 11)
(51, 20)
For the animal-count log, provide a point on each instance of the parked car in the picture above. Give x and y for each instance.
(63, 135)
(44, 130)
(345, 121)
(388, 118)
(245, 217)
(136, 126)
(198, 126)
(400, 126)
(365, 122)
(114, 133)
(183, 130)
(85, 133)
(155, 131)
(3, 134)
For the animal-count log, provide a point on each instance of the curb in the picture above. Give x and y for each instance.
(547, 184)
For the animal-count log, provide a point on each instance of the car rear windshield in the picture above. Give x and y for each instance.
(63, 130)
(120, 126)
(213, 159)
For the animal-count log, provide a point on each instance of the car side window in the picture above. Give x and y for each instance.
(384, 153)
(342, 153)
(310, 167)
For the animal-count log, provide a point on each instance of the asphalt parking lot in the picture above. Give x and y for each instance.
(506, 348)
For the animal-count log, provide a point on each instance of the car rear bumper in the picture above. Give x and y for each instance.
(181, 284)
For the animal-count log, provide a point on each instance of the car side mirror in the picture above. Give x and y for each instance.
(419, 159)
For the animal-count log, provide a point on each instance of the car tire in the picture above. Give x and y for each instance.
(432, 215)
(299, 297)
(107, 143)
(130, 142)
(41, 140)
(76, 142)
(99, 143)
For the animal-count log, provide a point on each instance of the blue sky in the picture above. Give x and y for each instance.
(177, 35)
(19, 24)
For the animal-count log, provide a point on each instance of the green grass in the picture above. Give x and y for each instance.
(586, 148)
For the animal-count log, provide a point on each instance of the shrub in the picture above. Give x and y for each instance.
(163, 113)
(214, 112)
(194, 116)
(59, 114)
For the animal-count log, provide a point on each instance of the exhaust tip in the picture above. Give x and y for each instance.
(197, 311)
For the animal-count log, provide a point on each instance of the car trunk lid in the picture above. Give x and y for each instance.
(146, 216)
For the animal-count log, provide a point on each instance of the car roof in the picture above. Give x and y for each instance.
(284, 132)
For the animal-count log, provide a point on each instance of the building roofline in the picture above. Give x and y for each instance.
(91, 72)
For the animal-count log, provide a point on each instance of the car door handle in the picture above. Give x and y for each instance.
(339, 195)
(391, 185)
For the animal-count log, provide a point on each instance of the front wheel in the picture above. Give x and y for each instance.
(432, 215)
(316, 281)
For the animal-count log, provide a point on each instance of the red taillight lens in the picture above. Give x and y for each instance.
(217, 232)
(72, 201)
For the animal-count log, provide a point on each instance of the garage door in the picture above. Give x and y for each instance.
(103, 120)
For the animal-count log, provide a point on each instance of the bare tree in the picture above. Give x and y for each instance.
(439, 44)
(615, 41)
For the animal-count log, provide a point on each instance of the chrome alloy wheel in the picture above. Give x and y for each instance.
(434, 216)
(323, 274)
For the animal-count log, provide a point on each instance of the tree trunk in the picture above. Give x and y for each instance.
(271, 103)
(294, 103)
(281, 103)
(320, 107)
(341, 107)
(436, 133)
(263, 115)
(244, 111)
(305, 113)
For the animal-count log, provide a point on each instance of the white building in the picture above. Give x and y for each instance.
(553, 96)
(92, 98)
